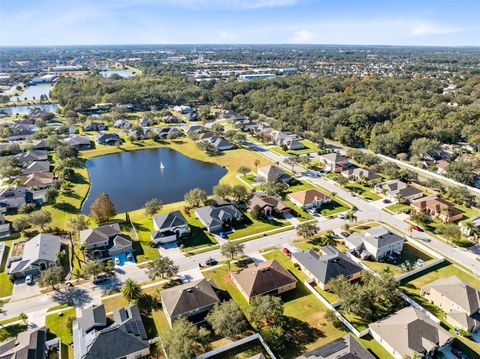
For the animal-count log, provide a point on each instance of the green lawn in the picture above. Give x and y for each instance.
(6, 285)
(250, 226)
(11, 331)
(410, 253)
(398, 208)
(375, 347)
(362, 190)
(334, 207)
(300, 213)
(245, 351)
(310, 147)
(59, 324)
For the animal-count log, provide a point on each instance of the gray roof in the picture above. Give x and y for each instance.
(378, 237)
(77, 140)
(43, 247)
(27, 345)
(120, 242)
(215, 216)
(346, 347)
(91, 317)
(169, 220)
(328, 266)
(187, 297)
(100, 234)
(218, 142)
(36, 166)
(333, 157)
(125, 336)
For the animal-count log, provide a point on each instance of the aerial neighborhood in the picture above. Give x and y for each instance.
(194, 202)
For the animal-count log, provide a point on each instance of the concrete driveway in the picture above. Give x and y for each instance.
(21, 290)
(170, 250)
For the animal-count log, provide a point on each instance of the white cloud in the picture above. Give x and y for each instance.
(302, 36)
(425, 29)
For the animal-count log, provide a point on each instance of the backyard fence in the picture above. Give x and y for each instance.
(401, 277)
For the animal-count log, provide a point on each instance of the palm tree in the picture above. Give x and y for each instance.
(351, 217)
(399, 198)
(131, 290)
(24, 318)
(329, 238)
(333, 194)
(469, 226)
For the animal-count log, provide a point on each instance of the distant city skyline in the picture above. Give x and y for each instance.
(342, 22)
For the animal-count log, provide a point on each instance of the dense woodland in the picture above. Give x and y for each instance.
(383, 114)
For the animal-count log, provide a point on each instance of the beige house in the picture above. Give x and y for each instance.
(438, 207)
(334, 162)
(272, 174)
(309, 198)
(268, 277)
(459, 300)
(409, 331)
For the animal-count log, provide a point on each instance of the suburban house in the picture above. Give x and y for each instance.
(468, 229)
(334, 162)
(42, 144)
(192, 128)
(191, 300)
(5, 229)
(26, 158)
(409, 331)
(376, 242)
(96, 336)
(109, 139)
(183, 109)
(144, 122)
(122, 124)
(95, 126)
(220, 143)
(105, 241)
(460, 300)
(37, 181)
(12, 198)
(394, 188)
(137, 134)
(346, 347)
(323, 267)
(437, 207)
(39, 253)
(273, 174)
(359, 173)
(30, 344)
(21, 132)
(268, 204)
(289, 140)
(268, 277)
(168, 227)
(309, 198)
(214, 218)
(165, 132)
(79, 142)
(37, 166)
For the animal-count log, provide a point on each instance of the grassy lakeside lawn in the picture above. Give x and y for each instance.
(412, 287)
(410, 253)
(305, 314)
(310, 147)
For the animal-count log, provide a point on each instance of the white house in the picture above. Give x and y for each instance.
(168, 227)
(377, 242)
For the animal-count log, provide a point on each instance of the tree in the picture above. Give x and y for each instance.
(131, 290)
(240, 193)
(461, 171)
(152, 206)
(102, 209)
(40, 218)
(24, 318)
(351, 217)
(231, 250)
(196, 197)
(332, 318)
(226, 319)
(161, 267)
(275, 337)
(421, 218)
(21, 224)
(307, 230)
(266, 310)
(341, 180)
(256, 163)
(450, 231)
(328, 238)
(222, 191)
(425, 148)
(51, 195)
(291, 161)
(257, 212)
(184, 340)
(93, 268)
(78, 223)
(244, 170)
(52, 277)
(398, 198)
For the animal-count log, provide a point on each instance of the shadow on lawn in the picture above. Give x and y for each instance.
(301, 334)
(11, 331)
(66, 207)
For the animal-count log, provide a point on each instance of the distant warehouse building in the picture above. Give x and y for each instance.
(248, 77)
(44, 79)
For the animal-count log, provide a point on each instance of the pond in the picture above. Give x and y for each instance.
(132, 178)
(122, 73)
(33, 92)
(26, 109)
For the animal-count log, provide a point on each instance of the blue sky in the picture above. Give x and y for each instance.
(367, 22)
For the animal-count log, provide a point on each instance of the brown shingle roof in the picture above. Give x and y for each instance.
(263, 201)
(308, 196)
(263, 278)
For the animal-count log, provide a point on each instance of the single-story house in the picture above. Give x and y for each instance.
(138, 134)
(168, 227)
(272, 174)
(268, 204)
(346, 347)
(409, 331)
(268, 277)
(192, 128)
(79, 142)
(460, 300)
(37, 166)
(5, 229)
(220, 143)
(95, 126)
(109, 139)
(122, 124)
(124, 337)
(437, 207)
(327, 265)
(42, 144)
(26, 158)
(293, 144)
(309, 198)
(287, 139)
(37, 181)
(30, 344)
(359, 173)
(12, 198)
(39, 253)
(214, 218)
(334, 162)
(184, 109)
(21, 132)
(144, 122)
(377, 242)
(391, 189)
(190, 300)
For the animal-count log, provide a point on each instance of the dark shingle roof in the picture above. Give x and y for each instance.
(169, 220)
(346, 347)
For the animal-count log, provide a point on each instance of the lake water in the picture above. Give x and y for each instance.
(132, 178)
(123, 73)
(25, 110)
(34, 92)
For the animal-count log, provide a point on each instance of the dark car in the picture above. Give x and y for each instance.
(211, 262)
(417, 228)
(345, 234)
(101, 279)
(223, 235)
(386, 201)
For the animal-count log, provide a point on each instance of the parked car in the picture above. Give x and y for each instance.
(345, 234)
(417, 228)
(116, 260)
(341, 216)
(223, 235)
(100, 279)
(29, 279)
(287, 251)
(211, 261)
(386, 201)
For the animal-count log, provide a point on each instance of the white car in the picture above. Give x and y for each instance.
(341, 216)
(117, 260)
(29, 279)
